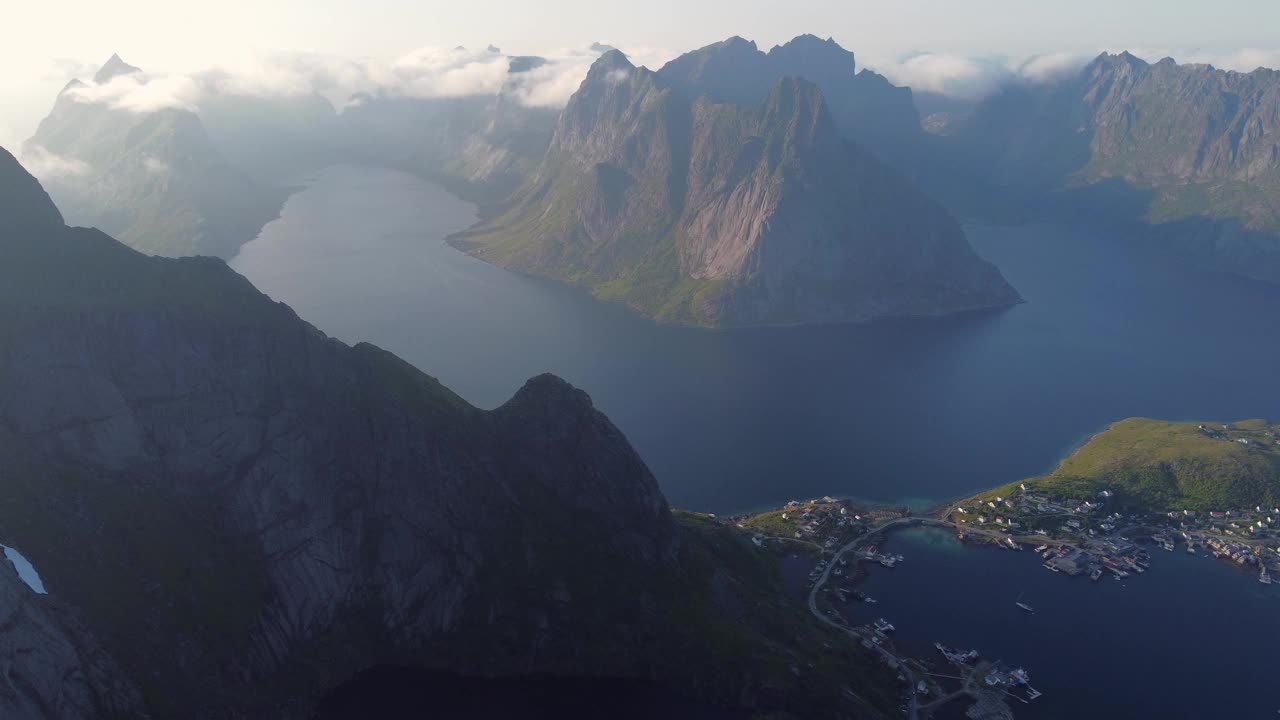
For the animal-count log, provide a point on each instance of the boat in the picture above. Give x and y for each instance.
(1263, 577)
(883, 626)
(1023, 605)
(1097, 573)
(1021, 676)
(1042, 548)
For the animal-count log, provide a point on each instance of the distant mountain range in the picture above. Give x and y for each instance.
(481, 147)
(1185, 156)
(155, 179)
(1188, 153)
(713, 213)
(233, 513)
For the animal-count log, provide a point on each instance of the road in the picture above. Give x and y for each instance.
(913, 710)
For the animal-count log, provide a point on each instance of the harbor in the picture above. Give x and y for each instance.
(907, 586)
(1126, 640)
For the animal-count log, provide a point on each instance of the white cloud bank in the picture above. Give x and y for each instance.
(423, 73)
(967, 77)
(973, 77)
(47, 166)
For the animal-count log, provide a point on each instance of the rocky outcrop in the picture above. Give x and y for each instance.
(712, 213)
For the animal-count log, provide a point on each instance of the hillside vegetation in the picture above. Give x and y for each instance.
(1160, 465)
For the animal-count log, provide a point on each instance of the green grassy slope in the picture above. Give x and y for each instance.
(1159, 465)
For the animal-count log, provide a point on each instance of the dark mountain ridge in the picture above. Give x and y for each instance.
(234, 513)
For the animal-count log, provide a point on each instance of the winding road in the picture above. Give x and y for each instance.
(912, 710)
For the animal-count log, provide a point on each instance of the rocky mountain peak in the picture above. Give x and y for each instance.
(814, 52)
(113, 68)
(611, 60)
(550, 391)
(1121, 62)
(524, 63)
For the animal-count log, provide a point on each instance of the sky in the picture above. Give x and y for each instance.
(60, 39)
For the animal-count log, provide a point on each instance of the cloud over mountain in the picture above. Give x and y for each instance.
(974, 77)
(52, 167)
(428, 72)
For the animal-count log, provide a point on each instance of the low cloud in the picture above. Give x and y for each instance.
(975, 77)
(423, 73)
(47, 166)
(966, 77)
(155, 166)
(142, 93)
(1242, 60)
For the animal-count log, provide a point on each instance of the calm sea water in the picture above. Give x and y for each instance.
(895, 411)
(1191, 639)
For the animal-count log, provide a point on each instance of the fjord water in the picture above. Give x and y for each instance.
(919, 410)
(1190, 639)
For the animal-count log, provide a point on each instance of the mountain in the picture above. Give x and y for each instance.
(113, 68)
(152, 178)
(1190, 151)
(700, 212)
(233, 514)
(865, 106)
(482, 147)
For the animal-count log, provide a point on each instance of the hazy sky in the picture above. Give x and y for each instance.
(50, 41)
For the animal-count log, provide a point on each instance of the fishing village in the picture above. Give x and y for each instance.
(826, 545)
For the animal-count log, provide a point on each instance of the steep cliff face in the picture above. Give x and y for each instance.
(238, 512)
(153, 178)
(1153, 125)
(52, 667)
(865, 107)
(719, 214)
(1181, 123)
(1190, 151)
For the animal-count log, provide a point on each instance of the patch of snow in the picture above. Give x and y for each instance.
(26, 571)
